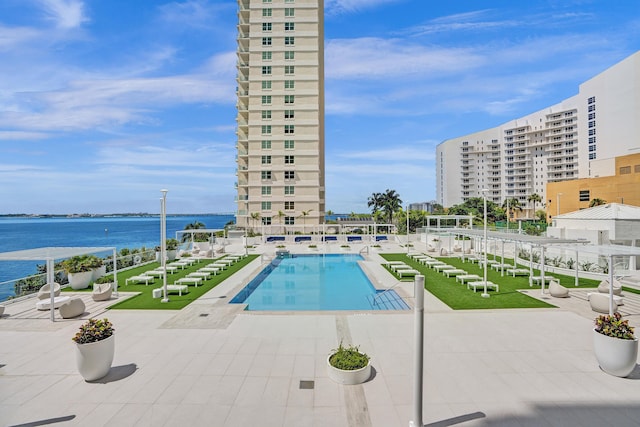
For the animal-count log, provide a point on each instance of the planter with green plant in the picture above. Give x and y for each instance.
(348, 365)
(345, 247)
(95, 347)
(313, 247)
(172, 249)
(79, 270)
(615, 345)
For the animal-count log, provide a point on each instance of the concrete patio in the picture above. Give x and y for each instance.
(215, 365)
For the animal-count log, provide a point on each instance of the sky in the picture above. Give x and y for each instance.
(105, 103)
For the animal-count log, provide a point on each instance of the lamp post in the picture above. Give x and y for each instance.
(558, 204)
(407, 228)
(484, 196)
(163, 243)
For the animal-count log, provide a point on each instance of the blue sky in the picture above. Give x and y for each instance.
(104, 103)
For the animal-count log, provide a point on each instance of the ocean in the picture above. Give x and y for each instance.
(18, 233)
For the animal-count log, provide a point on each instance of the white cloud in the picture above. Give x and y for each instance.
(66, 14)
(334, 7)
(22, 136)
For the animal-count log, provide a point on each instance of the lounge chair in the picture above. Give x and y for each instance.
(141, 278)
(330, 238)
(271, 239)
(354, 238)
(299, 239)
(45, 291)
(603, 287)
(102, 292)
(381, 239)
(72, 308)
(557, 290)
(600, 302)
(444, 252)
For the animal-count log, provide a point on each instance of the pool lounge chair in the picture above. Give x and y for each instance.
(299, 239)
(354, 238)
(480, 284)
(381, 239)
(517, 272)
(409, 273)
(330, 238)
(139, 279)
(272, 239)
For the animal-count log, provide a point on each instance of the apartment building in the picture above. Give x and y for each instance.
(556, 144)
(280, 120)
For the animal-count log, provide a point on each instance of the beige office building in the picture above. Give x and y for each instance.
(559, 143)
(280, 121)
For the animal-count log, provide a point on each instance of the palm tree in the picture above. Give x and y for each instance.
(375, 202)
(511, 204)
(597, 202)
(391, 202)
(280, 215)
(304, 215)
(255, 217)
(196, 236)
(534, 198)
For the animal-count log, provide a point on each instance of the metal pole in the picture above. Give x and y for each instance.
(419, 355)
(610, 285)
(163, 243)
(485, 293)
(50, 281)
(115, 273)
(407, 228)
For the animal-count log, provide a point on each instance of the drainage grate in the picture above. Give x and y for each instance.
(204, 314)
(306, 385)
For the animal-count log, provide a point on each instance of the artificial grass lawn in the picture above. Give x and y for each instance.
(145, 301)
(458, 297)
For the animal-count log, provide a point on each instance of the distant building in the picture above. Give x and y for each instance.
(423, 206)
(615, 180)
(557, 144)
(280, 119)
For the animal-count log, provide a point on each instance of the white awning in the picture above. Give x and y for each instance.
(52, 253)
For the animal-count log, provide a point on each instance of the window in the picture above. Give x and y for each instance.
(592, 140)
(289, 26)
(592, 132)
(288, 12)
(289, 41)
(289, 190)
(289, 206)
(288, 1)
(289, 99)
(266, 190)
(623, 170)
(266, 144)
(289, 114)
(266, 160)
(266, 26)
(266, 70)
(592, 124)
(266, 220)
(592, 108)
(289, 84)
(265, 174)
(289, 69)
(266, 56)
(289, 54)
(636, 168)
(592, 156)
(289, 220)
(267, 12)
(289, 160)
(585, 195)
(289, 175)
(266, 114)
(592, 116)
(266, 130)
(266, 1)
(592, 148)
(266, 41)
(289, 144)
(289, 129)
(266, 84)
(591, 100)
(266, 99)
(266, 206)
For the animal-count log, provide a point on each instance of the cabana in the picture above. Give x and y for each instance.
(192, 232)
(51, 254)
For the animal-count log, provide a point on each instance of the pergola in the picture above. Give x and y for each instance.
(51, 254)
(609, 252)
(210, 231)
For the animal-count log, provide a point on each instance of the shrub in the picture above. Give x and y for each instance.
(348, 358)
(614, 326)
(94, 330)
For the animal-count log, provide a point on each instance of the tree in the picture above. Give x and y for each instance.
(375, 202)
(391, 203)
(511, 204)
(280, 216)
(534, 198)
(255, 217)
(304, 215)
(198, 237)
(597, 202)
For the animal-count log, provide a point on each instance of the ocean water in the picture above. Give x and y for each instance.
(18, 233)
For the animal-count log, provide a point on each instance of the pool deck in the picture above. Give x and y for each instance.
(211, 364)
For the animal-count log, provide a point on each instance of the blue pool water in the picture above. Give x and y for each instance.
(315, 282)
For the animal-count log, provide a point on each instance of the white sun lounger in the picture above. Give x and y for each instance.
(213, 270)
(201, 274)
(454, 272)
(443, 267)
(189, 280)
(518, 272)
(464, 278)
(480, 284)
(138, 279)
(177, 288)
(410, 272)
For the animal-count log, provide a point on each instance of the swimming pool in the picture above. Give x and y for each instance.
(315, 282)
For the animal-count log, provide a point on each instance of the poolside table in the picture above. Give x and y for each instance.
(480, 284)
(464, 278)
(454, 272)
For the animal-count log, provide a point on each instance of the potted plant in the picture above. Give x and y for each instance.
(345, 247)
(79, 270)
(95, 345)
(348, 365)
(172, 249)
(615, 345)
(96, 263)
(313, 247)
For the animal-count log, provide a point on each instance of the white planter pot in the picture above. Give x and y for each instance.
(158, 257)
(94, 359)
(171, 255)
(345, 249)
(80, 280)
(615, 356)
(357, 376)
(99, 272)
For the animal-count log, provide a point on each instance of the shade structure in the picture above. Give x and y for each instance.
(51, 254)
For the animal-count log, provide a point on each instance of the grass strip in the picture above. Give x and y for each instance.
(145, 300)
(458, 297)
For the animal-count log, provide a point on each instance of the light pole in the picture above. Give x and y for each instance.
(558, 204)
(484, 196)
(407, 228)
(507, 214)
(163, 243)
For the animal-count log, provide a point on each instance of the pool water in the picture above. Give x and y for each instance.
(316, 282)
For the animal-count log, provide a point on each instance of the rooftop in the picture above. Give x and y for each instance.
(210, 364)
